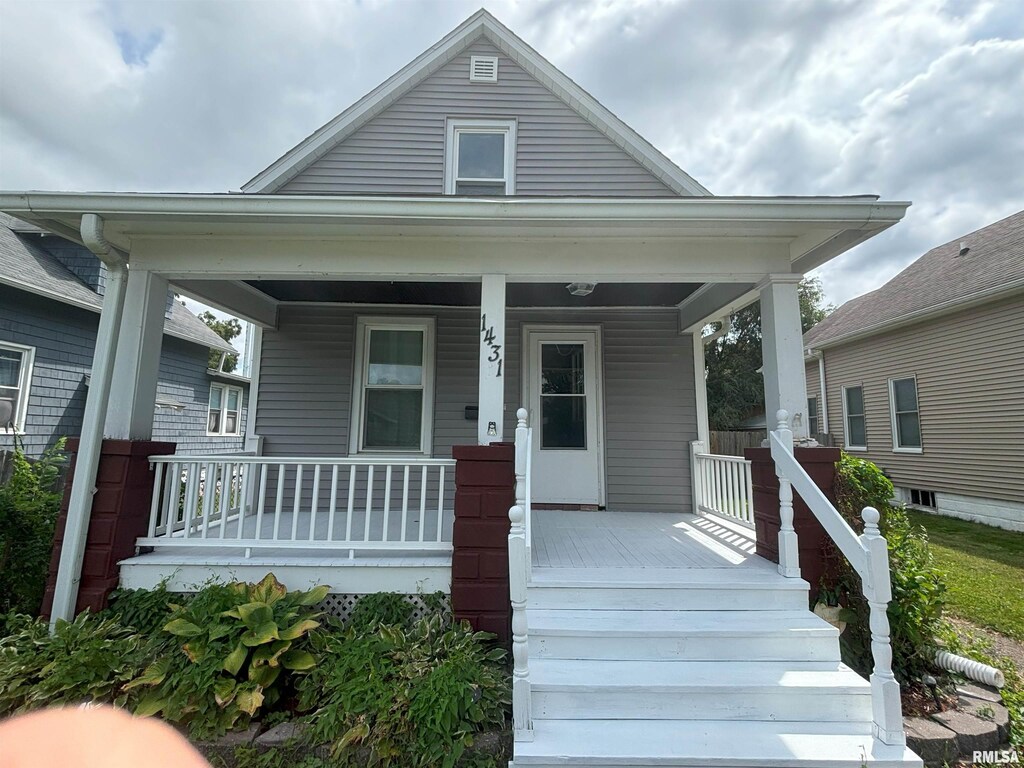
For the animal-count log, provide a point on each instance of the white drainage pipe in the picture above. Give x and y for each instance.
(975, 670)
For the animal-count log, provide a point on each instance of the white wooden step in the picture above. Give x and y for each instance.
(707, 744)
(698, 690)
(678, 596)
(683, 635)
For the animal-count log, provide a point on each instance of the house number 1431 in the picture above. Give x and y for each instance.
(489, 339)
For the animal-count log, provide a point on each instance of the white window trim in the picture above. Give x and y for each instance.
(846, 420)
(24, 386)
(896, 447)
(364, 325)
(223, 411)
(454, 125)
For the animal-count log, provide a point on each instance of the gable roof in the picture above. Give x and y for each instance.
(26, 265)
(480, 24)
(940, 281)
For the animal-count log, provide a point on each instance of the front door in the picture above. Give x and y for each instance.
(562, 379)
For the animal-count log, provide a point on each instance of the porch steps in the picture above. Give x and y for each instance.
(698, 667)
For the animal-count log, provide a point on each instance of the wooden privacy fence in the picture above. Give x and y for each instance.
(732, 443)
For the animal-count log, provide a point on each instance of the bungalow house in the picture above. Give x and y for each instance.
(481, 298)
(925, 377)
(51, 291)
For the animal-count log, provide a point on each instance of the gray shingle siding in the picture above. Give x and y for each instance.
(401, 150)
(64, 338)
(79, 261)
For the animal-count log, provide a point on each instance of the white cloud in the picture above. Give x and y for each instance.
(911, 99)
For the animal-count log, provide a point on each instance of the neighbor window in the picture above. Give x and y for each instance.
(906, 422)
(393, 403)
(480, 157)
(812, 416)
(15, 378)
(853, 413)
(225, 417)
(921, 498)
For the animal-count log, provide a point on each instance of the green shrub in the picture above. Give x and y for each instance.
(147, 610)
(241, 647)
(918, 589)
(412, 697)
(29, 505)
(389, 608)
(88, 659)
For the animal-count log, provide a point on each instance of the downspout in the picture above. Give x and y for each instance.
(69, 570)
(823, 415)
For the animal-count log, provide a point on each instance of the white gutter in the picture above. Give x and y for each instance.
(852, 212)
(69, 571)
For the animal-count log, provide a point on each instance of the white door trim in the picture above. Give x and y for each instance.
(525, 378)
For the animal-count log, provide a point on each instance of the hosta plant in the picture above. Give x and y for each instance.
(238, 649)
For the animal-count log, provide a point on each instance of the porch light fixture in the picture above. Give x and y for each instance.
(580, 289)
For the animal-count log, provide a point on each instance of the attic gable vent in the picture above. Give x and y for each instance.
(483, 69)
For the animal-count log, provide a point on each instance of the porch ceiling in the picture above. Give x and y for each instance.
(463, 294)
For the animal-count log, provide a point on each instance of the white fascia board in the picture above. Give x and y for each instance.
(435, 57)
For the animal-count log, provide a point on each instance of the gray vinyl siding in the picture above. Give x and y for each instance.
(401, 150)
(64, 338)
(306, 380)
(970, 386)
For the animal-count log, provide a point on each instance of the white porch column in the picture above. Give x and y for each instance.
(785, 387)
(700, 388)
(492, 360)
(137, 363)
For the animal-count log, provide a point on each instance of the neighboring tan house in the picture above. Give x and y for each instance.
(925, 377)
(51, 290)
(476, 246)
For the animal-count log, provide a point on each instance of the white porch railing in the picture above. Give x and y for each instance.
(867, 553)
(722, 485)
(261, 502)
(518, 577)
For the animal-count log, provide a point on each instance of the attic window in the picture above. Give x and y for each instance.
(483, 69)
(480, 157)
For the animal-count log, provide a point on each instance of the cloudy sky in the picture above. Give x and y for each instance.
(918, 100)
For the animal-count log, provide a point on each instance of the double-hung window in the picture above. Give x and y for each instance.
(812, 416)
(225, 416)
(853, 415)
(15, 379)
(906, 421)
(393, 402)
(480, 157)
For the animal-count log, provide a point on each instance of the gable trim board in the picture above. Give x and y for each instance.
(480, 24)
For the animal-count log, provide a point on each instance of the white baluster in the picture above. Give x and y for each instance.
(522, 720)
(885, 690)
(154, 510)
(789, 556)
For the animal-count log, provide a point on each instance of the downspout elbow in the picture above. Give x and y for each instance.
(94, 239)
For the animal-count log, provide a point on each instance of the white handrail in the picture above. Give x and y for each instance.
(266, 502)
(869, 556)
(722, 485)
(518, 575)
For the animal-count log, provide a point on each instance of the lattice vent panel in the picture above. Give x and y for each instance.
(341, 606)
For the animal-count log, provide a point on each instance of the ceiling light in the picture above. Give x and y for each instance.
(580, 289)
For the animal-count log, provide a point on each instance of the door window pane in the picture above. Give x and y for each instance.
(396, 358)
(563, 421)
(394, 418)
(481, 156)
(561, 369)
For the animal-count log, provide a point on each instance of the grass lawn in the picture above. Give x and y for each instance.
(984, 571)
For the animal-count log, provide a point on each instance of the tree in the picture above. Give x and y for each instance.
(228, 330)
(735, 388)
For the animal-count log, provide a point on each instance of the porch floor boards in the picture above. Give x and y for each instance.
(580, 539)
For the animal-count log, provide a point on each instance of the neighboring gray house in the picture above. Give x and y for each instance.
(51, 291)
(475, 246)
(925, 377)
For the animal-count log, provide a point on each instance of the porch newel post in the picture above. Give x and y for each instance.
(137, 362)
(491, 403)
(789, 546)
(785, 385)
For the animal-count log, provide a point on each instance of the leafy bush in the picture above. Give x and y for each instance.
(918, 589)
(147, 610)
(29, 505)
(241, 647)
(88, 659)
(412, 697)
(373, 610)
